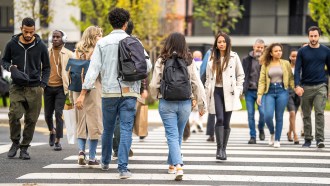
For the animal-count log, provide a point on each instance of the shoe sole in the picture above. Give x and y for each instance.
(124, 177)
(178, 177)
(24, 158)
(320, 146)
(81, 161)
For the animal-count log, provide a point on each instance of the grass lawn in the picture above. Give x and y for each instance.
(155, 105)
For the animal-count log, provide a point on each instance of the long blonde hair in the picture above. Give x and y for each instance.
(88, 41)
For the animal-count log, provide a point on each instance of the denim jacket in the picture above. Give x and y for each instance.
(104, 61)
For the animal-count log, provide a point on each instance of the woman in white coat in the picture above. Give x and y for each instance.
(223, 87)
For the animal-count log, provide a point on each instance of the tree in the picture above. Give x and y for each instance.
(145, 16)
(320, 12)
(95, 12)
(218, 14)
(39, 10)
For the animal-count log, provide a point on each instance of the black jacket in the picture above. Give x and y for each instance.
(33, 61)
(247, 64)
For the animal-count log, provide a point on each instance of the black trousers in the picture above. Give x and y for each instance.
(223, 117)
(54, 99)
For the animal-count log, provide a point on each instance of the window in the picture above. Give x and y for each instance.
(6, 19)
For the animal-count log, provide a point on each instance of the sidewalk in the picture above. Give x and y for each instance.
(239, 119)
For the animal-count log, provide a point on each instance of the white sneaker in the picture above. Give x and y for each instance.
(271, 140)
(277, 144)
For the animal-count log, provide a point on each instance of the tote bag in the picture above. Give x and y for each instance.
(140, 127)
(69, 116)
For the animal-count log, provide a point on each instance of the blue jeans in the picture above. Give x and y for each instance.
(92, 147)
(275, 101)
(250, 100)
(175, 115)
(124, 107)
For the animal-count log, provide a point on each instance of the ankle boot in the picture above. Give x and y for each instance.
(219, 133)
(225, 142)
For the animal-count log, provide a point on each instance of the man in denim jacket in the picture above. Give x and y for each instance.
(104, 61)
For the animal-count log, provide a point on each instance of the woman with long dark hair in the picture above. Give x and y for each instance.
(223, 87)
(175, 114)
(275, 79)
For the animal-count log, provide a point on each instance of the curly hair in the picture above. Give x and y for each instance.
(88, 40)
(266, 58)
(176, 42)
(118, 17)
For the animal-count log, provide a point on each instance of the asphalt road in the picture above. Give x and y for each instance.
(246, 165)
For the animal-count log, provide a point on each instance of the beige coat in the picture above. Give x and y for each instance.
(89, 119)
(233, 78)
(198, 92)
(65, 55)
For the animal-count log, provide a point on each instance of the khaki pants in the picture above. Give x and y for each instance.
(27, 101)
(314, 96)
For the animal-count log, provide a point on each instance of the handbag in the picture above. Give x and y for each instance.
(140, 127)
(69, 116)
(77, 69)
(4, 87)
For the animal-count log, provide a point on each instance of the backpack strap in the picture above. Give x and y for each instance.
(70, 80)
(82, 75)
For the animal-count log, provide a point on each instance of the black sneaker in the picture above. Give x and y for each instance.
(58, 147)
(13, 150)
(261, 135)
(307, 144)
(24, 155)
(51, 139)
(320, 144)
(252, 141)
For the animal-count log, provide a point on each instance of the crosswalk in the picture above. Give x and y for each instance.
(246, 164)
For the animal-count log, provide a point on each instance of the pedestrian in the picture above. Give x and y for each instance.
(310, 79)
(118, 97)
(223, 87)
(26, 57)
(57, 89)
(89, 118)
(275, 79)
(293, 103)
(175, 112)
(195, 120)
(251, 65)
(144, 95)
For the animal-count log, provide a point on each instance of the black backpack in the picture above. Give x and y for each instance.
(175, 84)
(132, 60)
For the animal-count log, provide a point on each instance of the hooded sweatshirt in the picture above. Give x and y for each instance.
(33, 61)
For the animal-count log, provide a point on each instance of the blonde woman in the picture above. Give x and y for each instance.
(89, 119)
(275, 79)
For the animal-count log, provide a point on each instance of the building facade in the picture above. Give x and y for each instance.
(283, 21)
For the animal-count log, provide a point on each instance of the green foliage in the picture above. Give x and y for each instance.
(144, 14)
(33, 9)
(320, 12)
(95, 13)
(218, 14)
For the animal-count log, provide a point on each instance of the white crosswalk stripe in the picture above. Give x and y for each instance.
(246, 164)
